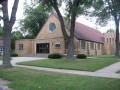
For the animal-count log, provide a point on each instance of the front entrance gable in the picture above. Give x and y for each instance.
(51, 29)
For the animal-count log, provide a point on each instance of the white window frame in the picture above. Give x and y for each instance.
(59, 44)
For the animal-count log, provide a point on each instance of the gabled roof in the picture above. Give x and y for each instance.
(1, 42)
(84, 32)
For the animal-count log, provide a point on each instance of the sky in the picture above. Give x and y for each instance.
(82, 19)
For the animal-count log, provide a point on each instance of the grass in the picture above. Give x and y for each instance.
(28, 79)
(90, 64)
(1, 57)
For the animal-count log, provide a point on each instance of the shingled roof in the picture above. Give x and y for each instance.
(1, 42)
(84, 32)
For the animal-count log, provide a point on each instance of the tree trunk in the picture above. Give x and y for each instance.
(117, 53)
(7, 47)
(70, 52)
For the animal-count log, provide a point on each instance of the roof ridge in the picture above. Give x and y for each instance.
(88, 27)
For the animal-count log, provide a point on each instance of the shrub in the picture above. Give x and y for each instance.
(81, 56)
(55, 56)
(14, 55)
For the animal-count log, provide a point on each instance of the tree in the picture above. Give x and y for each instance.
(1, 1)
(7, 28)
(110, 30)
(1, 32)
(35, 17)
(106, 9)
(73, 9)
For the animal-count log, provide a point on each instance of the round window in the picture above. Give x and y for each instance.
(52, 27)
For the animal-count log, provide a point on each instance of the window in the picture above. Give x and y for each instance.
(20, 46)
(83, 44)
(110, 40)
(92, 45)
(57, 45)
(52, 27)
(98, 46)
(113, 40)
(107, 40)
(1, 49)
(95, 46)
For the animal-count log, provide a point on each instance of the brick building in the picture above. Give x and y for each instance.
(50, 40)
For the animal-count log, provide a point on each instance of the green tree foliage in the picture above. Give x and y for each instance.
(105, 10)
(35, 17)
(110, 30)
(17, 35)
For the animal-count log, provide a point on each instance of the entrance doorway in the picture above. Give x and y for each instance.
(42, 48)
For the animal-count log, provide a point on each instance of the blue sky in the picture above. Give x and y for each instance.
(81, 19)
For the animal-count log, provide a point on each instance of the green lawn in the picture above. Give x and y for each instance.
(90, 64)
(1, 57)
(28, 79)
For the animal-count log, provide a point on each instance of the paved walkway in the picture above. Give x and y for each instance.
(110, 69)
(108, 72)
(96, 74)
(3, 85)
(23, 59)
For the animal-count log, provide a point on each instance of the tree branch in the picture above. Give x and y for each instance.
(1, 18)
(5, 11)
(54, 4)
(110, 7)
(13, 14)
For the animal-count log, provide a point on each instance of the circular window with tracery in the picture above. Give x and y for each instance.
(52, 27)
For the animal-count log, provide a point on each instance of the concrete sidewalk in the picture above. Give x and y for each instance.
(23, 59)
(85, 73)
(110, 69)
